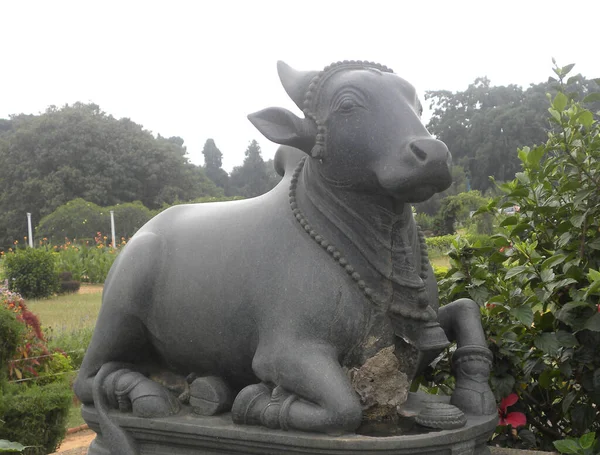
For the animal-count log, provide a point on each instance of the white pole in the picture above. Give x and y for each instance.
(112, 227)
(30, 231)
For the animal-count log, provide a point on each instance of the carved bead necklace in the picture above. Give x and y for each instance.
(333, 251)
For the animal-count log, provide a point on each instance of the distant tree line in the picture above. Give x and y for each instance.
(80, 152)
(484, 125)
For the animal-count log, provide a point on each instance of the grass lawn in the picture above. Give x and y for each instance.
(70, 312)
(68, 321)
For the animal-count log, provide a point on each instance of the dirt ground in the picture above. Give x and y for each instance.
(90, 288)
(76, 443)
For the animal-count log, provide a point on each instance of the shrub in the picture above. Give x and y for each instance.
(11, 331)
(35, 404)
(539, 285)
(35, 415)
(441, 245)
(79, 219)
(89, 264)
(31, 272)
(67, 284)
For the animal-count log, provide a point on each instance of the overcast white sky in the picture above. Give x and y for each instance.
(195, 69)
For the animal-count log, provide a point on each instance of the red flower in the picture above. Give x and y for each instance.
(515, 419)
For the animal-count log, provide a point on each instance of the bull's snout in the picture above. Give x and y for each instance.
(430, 151)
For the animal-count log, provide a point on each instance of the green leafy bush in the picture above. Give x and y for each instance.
(35, 403)
(79, 219)
(31, 272)
(67, 283)
(539, 284)
(585, 445)
(86, 263)
(35, 415)
(441, 245)
(11, 331)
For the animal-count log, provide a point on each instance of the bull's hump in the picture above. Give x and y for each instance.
(286, 159)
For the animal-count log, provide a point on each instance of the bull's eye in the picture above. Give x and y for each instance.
(346, 105)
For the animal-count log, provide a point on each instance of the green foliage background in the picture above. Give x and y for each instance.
(539, 284)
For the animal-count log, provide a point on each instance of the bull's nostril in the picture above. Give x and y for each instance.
(420, 154)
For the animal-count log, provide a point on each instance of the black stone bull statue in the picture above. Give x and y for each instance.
(279, 295)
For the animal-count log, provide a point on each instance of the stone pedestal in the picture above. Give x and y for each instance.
(190, 434)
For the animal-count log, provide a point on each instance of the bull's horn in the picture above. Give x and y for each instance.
(295, 82)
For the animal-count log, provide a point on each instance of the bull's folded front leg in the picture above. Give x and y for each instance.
(472, 360)
(311, 392)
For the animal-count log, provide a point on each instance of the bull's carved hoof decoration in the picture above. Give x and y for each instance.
(263, 307)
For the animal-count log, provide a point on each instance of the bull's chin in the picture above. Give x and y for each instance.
(418, 193)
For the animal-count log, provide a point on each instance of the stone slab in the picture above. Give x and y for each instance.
(189, 434)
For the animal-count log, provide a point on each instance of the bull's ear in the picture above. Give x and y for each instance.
(283, 127)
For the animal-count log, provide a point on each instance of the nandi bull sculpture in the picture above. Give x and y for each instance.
(273, 307)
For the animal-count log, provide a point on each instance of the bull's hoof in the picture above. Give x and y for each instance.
(210, 395)
(474, 398)
(149, 399)
(249, 404)
(472, 393)
(257, 405)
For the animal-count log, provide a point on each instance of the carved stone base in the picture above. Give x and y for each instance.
(190, 434)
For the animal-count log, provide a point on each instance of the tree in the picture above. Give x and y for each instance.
(250, 179)
(212, 165)
(484, 125)
(79, 151)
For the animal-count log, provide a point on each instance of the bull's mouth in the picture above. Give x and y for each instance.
(421, 193)
(412, 190)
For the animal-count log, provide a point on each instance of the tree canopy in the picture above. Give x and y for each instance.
(79, 151)
(484, 125)
(251, 179)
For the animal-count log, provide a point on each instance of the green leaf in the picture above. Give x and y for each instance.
(564, 239)
(593, 275)
(555, 114)
(547, 275)
(8, 446)
(593, 289)
(587, 440)
(536, 155)
(516, 271)
(520, 228)
(582, 417)
(522, 154)
(547, 342)
(586, 118)
(568, 400)
(545, 379)
(566, 446)
(567, 69)
(510, 221)
(593, 323)
(592, 97)
(560, 102)
(527, 437)
(523, 314)
(503, 385)
(566, 339)
(577, 220)
(595, 244)
(553, 260)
